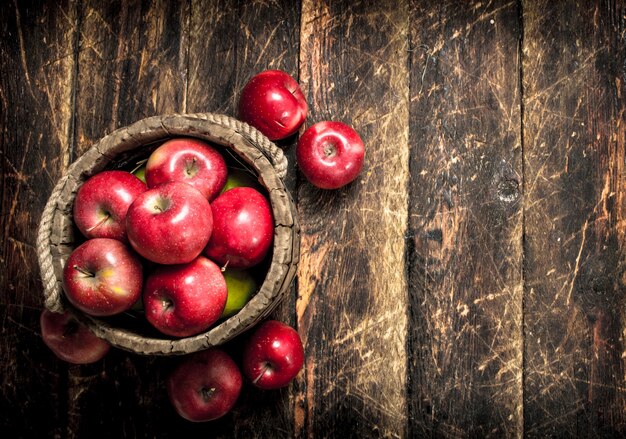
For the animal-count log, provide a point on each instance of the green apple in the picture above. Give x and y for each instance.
(140, 173)
(241, 286)
(240, 178)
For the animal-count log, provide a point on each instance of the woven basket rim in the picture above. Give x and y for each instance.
(55, 238)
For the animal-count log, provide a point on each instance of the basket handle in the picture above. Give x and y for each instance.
(273, 153)
(52, 291)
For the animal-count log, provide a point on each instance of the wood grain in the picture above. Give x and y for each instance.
(575, 209)
(36, 54)
(465, 277)
(229, 43)
(471, 282)
(131, 64)
(352, 287)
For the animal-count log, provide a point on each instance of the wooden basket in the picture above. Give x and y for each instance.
(57, 235)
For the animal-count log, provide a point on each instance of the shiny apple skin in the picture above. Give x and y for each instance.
(330, 154)
(170, 223)
(102, 201)
(103, 277)
(273, 355)
(273, 102)
(191, 161)
(205, 386)
(184, 300)
(71, 340)
(243, 228)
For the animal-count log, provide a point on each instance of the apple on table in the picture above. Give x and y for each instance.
(71, 340)
(330, 154)
(273, 102)
(103, 277)
(273, 355)
(205, 385)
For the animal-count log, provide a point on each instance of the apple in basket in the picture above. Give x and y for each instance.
(188, 160)
(102, 201)
(240, 178)
(170, 223)
(241, 285)
(184, 300)
(103, 277)
(243, 228)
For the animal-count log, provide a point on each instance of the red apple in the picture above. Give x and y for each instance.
(102, 201)
(243, 228)
(330, 154)
(69, 339)
(188, 160)
(170, 223)
(183, 300)
(273, 103)
(273, 355)
(205, 386)
(102, 277)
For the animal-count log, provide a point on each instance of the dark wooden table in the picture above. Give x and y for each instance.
(471, 283)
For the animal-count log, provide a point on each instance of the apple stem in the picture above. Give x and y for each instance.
(207, 393)
(83, 271)
(70, 328)
(139, 164)
(225, 265)
(330, 150)
(102, 221)
(167, 303)
(190, 168)
(266, 367)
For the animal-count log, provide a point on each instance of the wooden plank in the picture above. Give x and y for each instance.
(229, 43)
(352, 304)
(575, 210)
(465, 256)
(37, 44)
(132, 64)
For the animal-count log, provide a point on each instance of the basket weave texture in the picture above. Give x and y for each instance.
(57, 236)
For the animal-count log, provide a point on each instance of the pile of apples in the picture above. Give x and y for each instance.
(177, 239)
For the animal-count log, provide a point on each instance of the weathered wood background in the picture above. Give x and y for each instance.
(471, 283)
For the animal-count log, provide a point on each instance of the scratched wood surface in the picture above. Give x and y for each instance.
(465, 334)
(574, 81)
(471, 282)
(352, 282)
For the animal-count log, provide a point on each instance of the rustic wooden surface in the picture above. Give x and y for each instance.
(471, 282)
